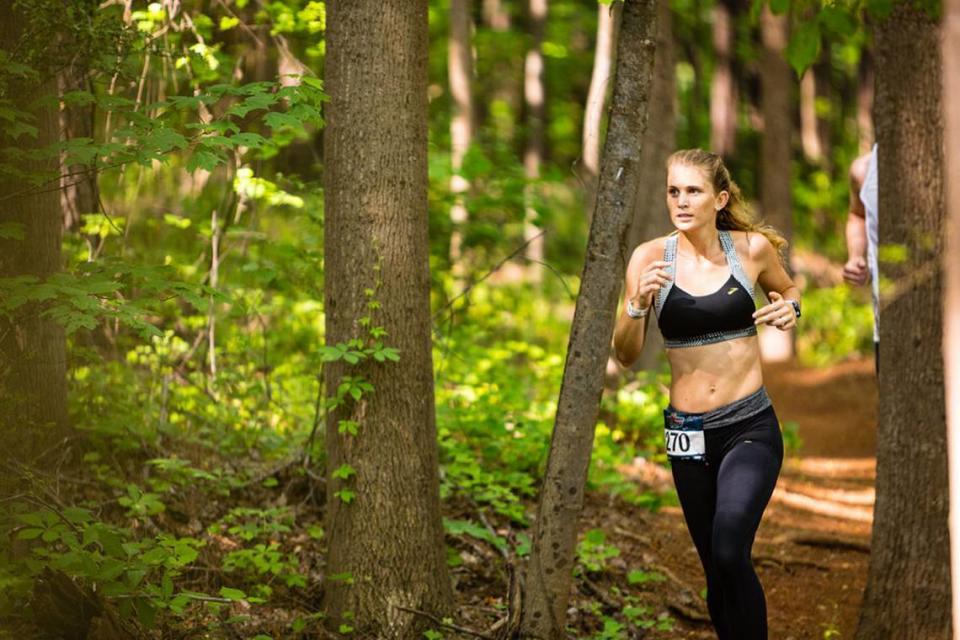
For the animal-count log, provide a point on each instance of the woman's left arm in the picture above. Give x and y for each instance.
(776, 283)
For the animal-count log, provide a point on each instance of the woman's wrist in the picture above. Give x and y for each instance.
(636, 311)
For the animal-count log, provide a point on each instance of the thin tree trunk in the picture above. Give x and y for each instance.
(907, 595)
(386, 545)
(79, 193)
(495, 15)
(865, 81)
(809, 136)
(608, 21)
(550, 564)
(33, 383)
(460, 67)
(652, 219)
(951, 304)
(723, 89)
(776, 100)
(534, 99)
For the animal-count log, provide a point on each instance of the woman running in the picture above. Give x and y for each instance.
(722, 435)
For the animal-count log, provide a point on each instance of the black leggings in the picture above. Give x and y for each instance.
(723, 499)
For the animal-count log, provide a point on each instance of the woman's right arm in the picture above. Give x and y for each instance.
(644, 278)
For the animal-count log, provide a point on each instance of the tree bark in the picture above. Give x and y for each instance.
(33, 382)
(386, 547)
(723, 89)
(908, 585)
(651, 218)
(865, 82)
(776, 100)
(951, 303)
(608, 23)
(549, 567)
(460, 73)
(534, 92)
(495, 15)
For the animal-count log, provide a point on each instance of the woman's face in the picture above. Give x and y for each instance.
(691, 199)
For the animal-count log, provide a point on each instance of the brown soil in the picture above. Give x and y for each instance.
(812, 549)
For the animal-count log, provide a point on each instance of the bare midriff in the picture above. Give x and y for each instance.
(712, 375)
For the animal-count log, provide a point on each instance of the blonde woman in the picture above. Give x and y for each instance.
(722, 434)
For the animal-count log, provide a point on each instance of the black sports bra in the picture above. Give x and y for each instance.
(689, 321)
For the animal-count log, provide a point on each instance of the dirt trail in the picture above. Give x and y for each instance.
(812, 550)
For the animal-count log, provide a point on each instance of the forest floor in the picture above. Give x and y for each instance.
(812, 549)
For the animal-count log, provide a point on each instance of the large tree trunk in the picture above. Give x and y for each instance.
(908, 586)
(951, 303)
(652, 218)
(608, 21)
(33, 383)
(723, 89)
(776, 101)
(550, 564)
(534, 92)
(389, 538)
(460, 73)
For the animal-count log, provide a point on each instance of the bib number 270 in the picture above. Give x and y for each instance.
(682, 444)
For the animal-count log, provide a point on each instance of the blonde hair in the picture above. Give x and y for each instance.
(736, 215)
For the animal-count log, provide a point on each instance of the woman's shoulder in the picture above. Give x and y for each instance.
(752, 244)
(645, 253)
(650, 250)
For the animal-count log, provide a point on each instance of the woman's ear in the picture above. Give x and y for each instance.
(723, 198)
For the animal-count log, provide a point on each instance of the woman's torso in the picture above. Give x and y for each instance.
(706, 293)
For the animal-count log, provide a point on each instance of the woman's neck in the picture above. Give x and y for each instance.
(703, 242)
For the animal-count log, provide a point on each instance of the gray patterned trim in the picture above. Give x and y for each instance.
(733, 261)
(669, 255)
(733, 412)
(710, 338)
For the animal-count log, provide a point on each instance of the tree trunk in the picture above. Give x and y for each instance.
(865, 83)
(908, 586)
(723, 89)
(776, 100)
(608, 21)
(534, 99)
(652, 218)
(460, 67)
(550, 564)
(809, 136)
(951, 304)
(495, 15)
(33, 382)
(386, 547)
(79, 193)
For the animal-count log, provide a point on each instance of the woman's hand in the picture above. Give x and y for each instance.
(649, 282)
(779, 313)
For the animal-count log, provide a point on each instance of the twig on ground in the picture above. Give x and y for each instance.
(446, 625)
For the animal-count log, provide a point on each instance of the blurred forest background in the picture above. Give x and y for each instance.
(176, 148)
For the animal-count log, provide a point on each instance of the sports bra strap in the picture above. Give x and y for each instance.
(733, 261)
(669, 255)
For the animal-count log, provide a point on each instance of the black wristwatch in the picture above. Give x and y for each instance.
(796, 306)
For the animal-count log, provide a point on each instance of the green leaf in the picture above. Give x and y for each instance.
(344, 472)
(345, 495)
(203, 160)
(29, 534)
(838, 20)
(779, 7)
(232, 594)
(804, 46)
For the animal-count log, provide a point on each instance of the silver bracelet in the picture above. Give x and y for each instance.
(635, 313)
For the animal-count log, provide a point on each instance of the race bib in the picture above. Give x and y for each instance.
(684, 437)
